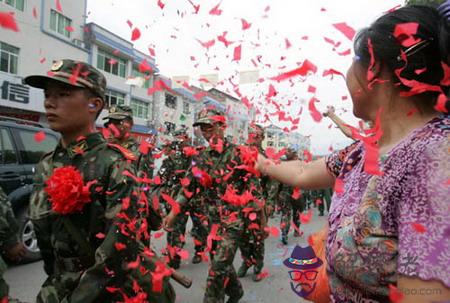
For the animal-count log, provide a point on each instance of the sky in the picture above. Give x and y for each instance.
(202, 37)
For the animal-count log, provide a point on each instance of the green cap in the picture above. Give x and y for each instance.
(119, 112)
(75, 73)
(209, 115)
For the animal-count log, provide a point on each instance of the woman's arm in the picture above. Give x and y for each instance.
(312, 175)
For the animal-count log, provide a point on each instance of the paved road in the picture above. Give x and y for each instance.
(25, 280)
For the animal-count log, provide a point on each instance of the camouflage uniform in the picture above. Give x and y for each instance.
(95, 255)
(9, 236)
(290, 209)
(144, 162)
(172, 170)
(219, 166)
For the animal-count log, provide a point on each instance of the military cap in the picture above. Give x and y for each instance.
(75, 73)
(119, 112)
(180, 132)
(209, 115)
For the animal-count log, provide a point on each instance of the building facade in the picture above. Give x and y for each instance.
(278, 139)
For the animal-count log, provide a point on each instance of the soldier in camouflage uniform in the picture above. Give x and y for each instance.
(172, 170)
(120, 123)
(252, 248)
(93, 253)
(10, 244)
(222, 176)
(290, 206)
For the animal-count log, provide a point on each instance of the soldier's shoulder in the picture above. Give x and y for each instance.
(47, 156)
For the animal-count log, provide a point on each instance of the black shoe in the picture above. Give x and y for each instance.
(197, 259)
(175, 264)
(257, 275)
(242, 271)
(321, 214)
(284, 240)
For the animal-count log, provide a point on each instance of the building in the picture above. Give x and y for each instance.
(46, 33)
(277, 138)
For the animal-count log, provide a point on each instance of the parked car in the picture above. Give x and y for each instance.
(19, 153)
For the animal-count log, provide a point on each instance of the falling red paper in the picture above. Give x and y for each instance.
(144, 67)
(35, 14)
(305, 218)
(58, 6)
(237, 53)
(274, 231)
(245, 25)
(303, 70)
(339, 186)
(395, 295)
(196, 7)
(347, 30)
(160, 4)
(315, 114)
(135, 34)
(404, 33)
(8, 21)
(419, 228)
(207, 44)
(39, 136)
(216, 10)
(441, 104)
(69, 28)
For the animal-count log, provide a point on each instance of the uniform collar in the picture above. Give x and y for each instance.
(79, 146)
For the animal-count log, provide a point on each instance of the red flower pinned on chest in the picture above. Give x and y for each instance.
(66, 190)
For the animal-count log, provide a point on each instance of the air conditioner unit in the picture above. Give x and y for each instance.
(79, 43)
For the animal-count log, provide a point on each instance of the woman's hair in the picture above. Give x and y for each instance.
(420, 61)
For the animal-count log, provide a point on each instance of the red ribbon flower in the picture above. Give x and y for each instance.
(66, 190)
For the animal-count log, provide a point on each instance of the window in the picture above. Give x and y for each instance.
(19, 4)
(145, 76)
(7, 152)
(140, 108)
(170, 127)
(9, 57)
(171, 101)
(32, 150)
(111, 64)
(114, 98)
(186, 108)
(281, 144)
(60, 23)
(270, 135)
(270, 143)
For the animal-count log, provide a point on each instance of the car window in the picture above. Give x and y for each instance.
(34, 150)
(7, 151)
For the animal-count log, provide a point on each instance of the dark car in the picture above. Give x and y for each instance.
(19, 153)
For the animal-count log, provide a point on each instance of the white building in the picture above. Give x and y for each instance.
(46, 34)
(278, 139)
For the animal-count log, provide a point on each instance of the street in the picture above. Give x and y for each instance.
(25, 280)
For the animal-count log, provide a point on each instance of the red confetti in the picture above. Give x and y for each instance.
(274, 231)
(100, 236)
(39, 136)
(287, 43)
(303, 70)
(305, 218)
(395, 295)
(252, 216)
(135, 34)
(404, 33)
(296, 193)
(272, 154)
(160, 4)
(58, 6)
(441, 104)
(8, 21)
(173, 204)
(130, 24)
(196, 7)
(315, 114)
(120, 246)
(215, 10)
(144, 67)
(207, 44)
(245, 25)
(69, 28)
(237, 53)
(347, 30)
(311, 89)
(332, 72)
(339, 186)
(223, 39)
(418, 227)
(35, 14)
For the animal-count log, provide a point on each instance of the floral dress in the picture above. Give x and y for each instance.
(396, 223)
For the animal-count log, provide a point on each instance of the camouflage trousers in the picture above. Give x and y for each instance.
(252, 248)
(222, 278)
(290, 212)
(176, 238)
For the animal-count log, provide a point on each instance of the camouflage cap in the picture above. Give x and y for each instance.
(119, 112)
(180, 132)
(75, 73)
(209, 115)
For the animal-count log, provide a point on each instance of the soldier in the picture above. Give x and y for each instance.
(10, 244)
(290, 206)
(172, 170)
(120, 122)
(223, 176)
(83, 206)
(252, 248)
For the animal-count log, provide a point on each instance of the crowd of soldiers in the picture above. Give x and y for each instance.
(99, 251)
